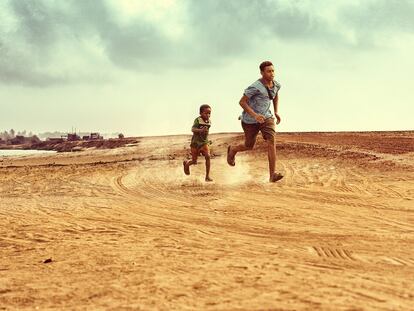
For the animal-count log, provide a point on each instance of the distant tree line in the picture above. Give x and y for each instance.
(7, 135)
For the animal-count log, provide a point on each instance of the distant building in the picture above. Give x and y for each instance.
(121, 136)
(18, 140)
(73, 137)
(93, 136)
(34, 139)
(56, 140)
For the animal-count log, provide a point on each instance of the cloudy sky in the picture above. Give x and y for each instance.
(144, 67)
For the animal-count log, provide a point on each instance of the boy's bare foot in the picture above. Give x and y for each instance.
(275, 177)
(230, 158)
(186, 167)
(208, 179)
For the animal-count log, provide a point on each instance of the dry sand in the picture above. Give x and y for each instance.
(125, 229)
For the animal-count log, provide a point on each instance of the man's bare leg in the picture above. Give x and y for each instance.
(238, 148)
(271, 154)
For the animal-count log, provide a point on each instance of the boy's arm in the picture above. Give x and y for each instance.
(244, 104)
(197, 130)
(275, 106)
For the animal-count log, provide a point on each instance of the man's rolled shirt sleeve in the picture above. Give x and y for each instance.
(278, 86)
(251, 91)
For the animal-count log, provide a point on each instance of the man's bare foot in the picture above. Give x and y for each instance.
(208, 179)
(275, 177)
(230, 157)
(186, 168)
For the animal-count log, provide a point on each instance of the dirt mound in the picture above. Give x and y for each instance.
(381, 142)
(67, 146)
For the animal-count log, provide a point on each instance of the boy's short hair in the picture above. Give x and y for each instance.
(264, 65)
(202, 107)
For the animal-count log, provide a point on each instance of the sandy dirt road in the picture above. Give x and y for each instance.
(126, 230)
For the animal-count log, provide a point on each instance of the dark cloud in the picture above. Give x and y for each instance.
(135, 45)
(22, 74)
(42, 27)
(36, 22)
(231, 27)
(372, 20)
(129, 46)
(214, 31)
(380, 15)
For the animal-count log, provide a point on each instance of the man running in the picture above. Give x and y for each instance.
(257, 116)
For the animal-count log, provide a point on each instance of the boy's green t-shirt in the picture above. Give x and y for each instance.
(200, 139)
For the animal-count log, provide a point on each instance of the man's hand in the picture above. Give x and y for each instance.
(204, 129)
(259, 118)
(277, 118)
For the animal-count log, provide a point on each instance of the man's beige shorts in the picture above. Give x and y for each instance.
(268, 129)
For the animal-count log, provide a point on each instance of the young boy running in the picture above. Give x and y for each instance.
(199, 142)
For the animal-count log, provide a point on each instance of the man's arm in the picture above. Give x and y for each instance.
(275, 106)
(244, 104)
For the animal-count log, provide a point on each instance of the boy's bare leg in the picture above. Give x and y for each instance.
(208, 168)
(187, 165)
(191, 162)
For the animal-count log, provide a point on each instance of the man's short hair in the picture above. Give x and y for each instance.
(202, 107)
(264, 65)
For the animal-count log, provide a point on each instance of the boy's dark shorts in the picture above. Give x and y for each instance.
(268, 129)
(196, 151)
